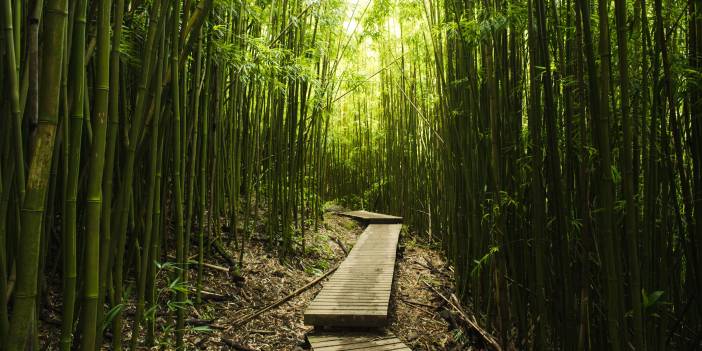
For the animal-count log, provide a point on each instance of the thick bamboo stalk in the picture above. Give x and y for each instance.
(24, 313)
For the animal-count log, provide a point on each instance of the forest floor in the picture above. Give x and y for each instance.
(418, 316)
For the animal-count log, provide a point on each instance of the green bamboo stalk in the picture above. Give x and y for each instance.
(23, 317)
(9, 241)
(631, 225)
(126, 189)
(177, 180)
(106, 256)
(147, 257)
(538, 195)
(96, 161)
(600, 118)
(75, 126)
(4, 239)
(202, 200)
(194, 143)
(12, 53)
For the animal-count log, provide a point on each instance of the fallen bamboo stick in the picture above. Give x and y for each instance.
(192, 264)
(253, 315)
(487, 337)
(211, 295)
(341, 245)
(413, 302)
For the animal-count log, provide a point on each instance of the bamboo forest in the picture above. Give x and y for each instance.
(198, 175)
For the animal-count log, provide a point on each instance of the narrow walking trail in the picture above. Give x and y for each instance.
(358, 294)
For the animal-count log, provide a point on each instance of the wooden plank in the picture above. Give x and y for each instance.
(358, 293)
(354, 304)
(357, 298)
(355, 293)
(376, 296)
(349, 336)
(370, 283)
(360, 283)
(352, 287)
(356, 341)
(355, 310)
(360, 277)
(346, 319)
(380, 345)
(343, 299)
(361, 274)
(372, 217)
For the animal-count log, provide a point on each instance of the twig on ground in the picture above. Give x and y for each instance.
(211, 266)
(196, 312)
(253, 315)
(259, 331)
(341, 245)
(235, 345)
(198, 321)
(204, 322)
(413, 302)
(417, 307)
(487, 337)
(432, 268)
(210, 295)
(192, 264)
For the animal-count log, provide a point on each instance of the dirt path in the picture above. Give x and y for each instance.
(414, 310)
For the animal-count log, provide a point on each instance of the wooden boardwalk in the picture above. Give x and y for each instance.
(356, 341)
(358, 294)
(372, 217)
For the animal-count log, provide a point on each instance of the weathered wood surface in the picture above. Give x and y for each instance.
(372, 217)
(358, 294)
(356, 341)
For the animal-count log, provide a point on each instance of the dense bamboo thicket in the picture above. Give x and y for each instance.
(139, 136)
(551, 148)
